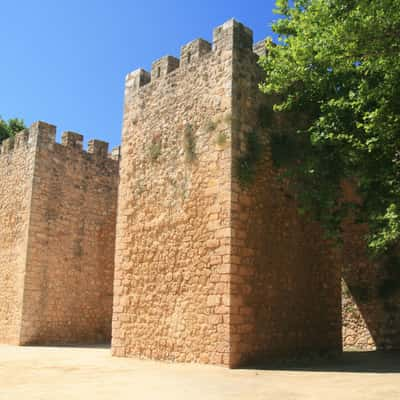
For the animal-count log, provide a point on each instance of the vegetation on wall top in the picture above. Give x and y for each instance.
(10, 128)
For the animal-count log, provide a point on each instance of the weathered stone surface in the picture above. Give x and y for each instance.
(16, 172)
(286, 299)
(209, 268)
(58, 210)
(370, 303)
(206, 270)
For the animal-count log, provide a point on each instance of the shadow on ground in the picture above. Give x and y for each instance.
(74, 346)
(369, 361)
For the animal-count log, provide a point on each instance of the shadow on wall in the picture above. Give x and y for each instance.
(370, 361)
(371, 297)
(370, 291)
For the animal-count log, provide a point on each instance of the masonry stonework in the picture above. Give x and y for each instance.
(59, 205)
(203, 272)
(213, 262)
(371, 302)
(285, 279)
(173, 230)
(16, 172)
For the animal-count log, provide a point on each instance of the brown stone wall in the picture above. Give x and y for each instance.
(171, 290)
(206, 270)
(70, 255)
(16, 174)
(371, 296)
(285, 280)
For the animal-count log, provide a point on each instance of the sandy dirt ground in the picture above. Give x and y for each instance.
(71, 373)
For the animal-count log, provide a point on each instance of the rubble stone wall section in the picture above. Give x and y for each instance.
(58, 212)
(371, 296)
(285, 278)
(171, 287)
(16, 173)
(70, 256)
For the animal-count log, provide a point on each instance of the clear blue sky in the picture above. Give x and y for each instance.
(65, 61)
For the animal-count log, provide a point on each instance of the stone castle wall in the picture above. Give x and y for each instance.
(370, 291)
(213, 262)
(371, 296)
(69, 241)
(173, 227)
(285, 290)
(16, 173)
(202, 267)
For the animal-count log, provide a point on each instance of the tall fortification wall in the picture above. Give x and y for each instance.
(209, 270)
(285, 278)
(16, 172)
(68, 248)
(213, 262)
(173, 226)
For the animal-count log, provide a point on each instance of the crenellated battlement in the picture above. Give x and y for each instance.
(163, 66)
(193, 51)
(21, 138)
(230, 36)
(43, 134)
(72, 139)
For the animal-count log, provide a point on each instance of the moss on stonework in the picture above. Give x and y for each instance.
(265, 116)
(189, 143)
(155, 148)
(221, 139)
(210, 125)
(155, 151)
(246, 163)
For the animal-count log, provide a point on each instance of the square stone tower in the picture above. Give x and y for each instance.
(213, 262)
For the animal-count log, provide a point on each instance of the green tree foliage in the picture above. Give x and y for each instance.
(337, 64)
(10, 128)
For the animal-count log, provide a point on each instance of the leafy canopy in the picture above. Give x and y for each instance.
(337, 65)
(10, 128)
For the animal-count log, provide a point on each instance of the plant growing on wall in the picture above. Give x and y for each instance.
(211, 125)
(246, 162)
(10, 128)
(189, 143)
(221, 138)
(155, 147)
